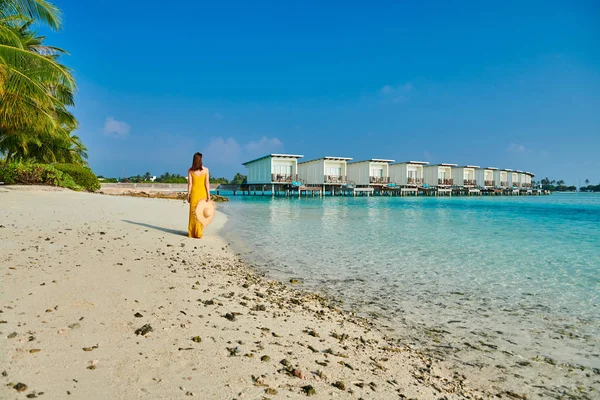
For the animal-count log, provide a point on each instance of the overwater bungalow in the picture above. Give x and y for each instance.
(464, 176)
(485, 177)
(518, 181)
(272, 170)
(326, 172)
(370, 173)
(501, 179)
(439, 176)
(409, 173)
(277, 173)
(526, 180)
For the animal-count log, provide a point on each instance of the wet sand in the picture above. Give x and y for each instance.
(106, 297)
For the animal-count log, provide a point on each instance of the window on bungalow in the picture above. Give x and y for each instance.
(334, 171)
(283, 169)
(377, 172)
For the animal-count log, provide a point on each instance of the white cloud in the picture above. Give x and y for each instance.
(228, 151)
(112, 127)
(387, 89)
(516, 148)
(223, 151)
(264, 145)
(398, 93)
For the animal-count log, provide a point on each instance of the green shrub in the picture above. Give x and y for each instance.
(83, 176)
(35, 174)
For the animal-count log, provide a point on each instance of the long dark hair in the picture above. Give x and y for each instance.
(197, 162)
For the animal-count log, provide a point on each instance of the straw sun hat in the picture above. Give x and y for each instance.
(205, 211)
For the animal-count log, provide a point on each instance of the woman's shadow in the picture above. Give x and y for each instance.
(159, 228)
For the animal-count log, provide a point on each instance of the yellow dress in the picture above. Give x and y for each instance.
(197, 194)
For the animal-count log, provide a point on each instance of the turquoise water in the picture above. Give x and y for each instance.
(527, 267)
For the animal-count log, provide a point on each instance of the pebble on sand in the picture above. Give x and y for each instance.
(309, 390)
(144, 330)
(20, 387)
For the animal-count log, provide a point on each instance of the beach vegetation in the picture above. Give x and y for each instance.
(238, 179)
(171, 178)
(556, 186)
(36, 174)
(590, 188)
(167, 177)
(220, 181)
(83, 176)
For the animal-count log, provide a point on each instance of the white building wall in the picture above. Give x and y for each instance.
(430, 175)
(398, 174)
(311, 172)
(479, 176)
(359, 173)
(458, 174)
(513, 179)
(259, 171)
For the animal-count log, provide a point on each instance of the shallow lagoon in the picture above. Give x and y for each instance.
(522, 272)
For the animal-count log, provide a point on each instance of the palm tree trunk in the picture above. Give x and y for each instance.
(8, 157)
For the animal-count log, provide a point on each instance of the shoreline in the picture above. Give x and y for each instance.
(246, 325)
(488, 356)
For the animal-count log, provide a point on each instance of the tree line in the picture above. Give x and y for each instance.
(559, 186)
(167, 177)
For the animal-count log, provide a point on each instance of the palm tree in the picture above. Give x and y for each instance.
(587, 182)
(35, 89)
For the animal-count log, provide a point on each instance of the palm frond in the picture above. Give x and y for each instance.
(40, 10)
(52, 70)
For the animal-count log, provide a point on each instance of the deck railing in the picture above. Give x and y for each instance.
(379, 179)
(445, 182)
(503, 183)
(283, 178)
(489, 183)
(334, 179)
(414, 181)
(525, 184)
(469, 182)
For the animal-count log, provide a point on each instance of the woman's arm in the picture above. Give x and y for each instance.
(189, 184)
(207, 183)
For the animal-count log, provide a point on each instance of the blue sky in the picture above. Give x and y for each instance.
(505, 84)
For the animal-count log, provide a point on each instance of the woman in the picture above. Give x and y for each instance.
(198, 190)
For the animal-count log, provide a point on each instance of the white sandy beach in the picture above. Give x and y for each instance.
(82, 272)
